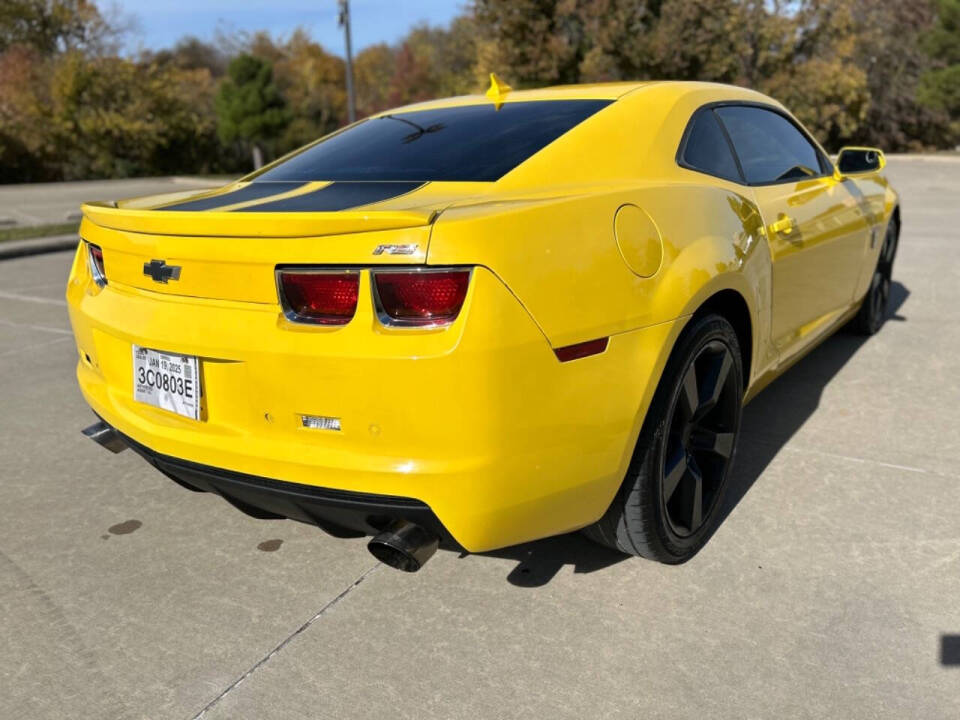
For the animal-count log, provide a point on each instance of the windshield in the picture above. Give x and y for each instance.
(473, 143)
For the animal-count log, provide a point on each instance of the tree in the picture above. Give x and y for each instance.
(373, 70)
(884, 72)
(889, 50)
(942, 42)
(311, 82)
(250, 108)
(191, 53)
(75, 117)
(533, 42)
(619, 34)
(939, 88)
(850, 70)
(51, 26)
(819, 77)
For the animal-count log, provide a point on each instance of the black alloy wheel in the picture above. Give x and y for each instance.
(700, 441)
(671, 497)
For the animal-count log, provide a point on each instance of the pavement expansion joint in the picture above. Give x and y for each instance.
(236, 683)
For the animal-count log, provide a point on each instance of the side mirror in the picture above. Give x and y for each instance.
(860, 160)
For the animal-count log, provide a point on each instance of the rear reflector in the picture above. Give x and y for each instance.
(95, 259)
(425, 298)
(324, 298)
(581, 350)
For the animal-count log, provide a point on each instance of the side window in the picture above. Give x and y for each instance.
(707, 150)
(770, 148)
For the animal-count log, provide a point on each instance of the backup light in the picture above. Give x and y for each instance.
(319, 297)
(420, 298)
(320, 422)
(95, 263)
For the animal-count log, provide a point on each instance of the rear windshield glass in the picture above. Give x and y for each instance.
(473, 143)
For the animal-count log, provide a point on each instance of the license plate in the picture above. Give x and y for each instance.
(170, 382)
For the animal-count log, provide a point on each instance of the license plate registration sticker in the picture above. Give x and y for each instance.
(167, 381)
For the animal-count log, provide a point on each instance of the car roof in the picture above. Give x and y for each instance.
(591, 91)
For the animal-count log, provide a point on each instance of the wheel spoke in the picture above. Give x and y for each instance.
(715, 382)
(689, 395)
(718, 443)
(696, 505)
(674, 473)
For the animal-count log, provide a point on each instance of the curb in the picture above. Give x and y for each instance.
(919, 157)
(37, 246)
(201, 181)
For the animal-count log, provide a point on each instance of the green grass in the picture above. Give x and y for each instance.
(38, 231)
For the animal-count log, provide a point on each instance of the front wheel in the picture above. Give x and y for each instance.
(671, 497)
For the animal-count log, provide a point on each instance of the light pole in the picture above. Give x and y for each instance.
(345, 24)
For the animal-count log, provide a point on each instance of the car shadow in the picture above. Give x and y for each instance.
(769, 421)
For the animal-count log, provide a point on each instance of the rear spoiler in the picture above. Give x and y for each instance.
(211, 223)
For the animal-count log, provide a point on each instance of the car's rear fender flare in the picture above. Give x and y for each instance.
(710, 268)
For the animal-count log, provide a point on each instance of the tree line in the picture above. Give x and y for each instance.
(877, 72)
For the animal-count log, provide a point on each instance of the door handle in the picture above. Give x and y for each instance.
(784, 225)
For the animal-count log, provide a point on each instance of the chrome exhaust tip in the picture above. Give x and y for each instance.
(105, 436)
(404, 546)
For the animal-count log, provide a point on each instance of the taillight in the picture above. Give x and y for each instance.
(321, 297)
(95, 263)
(424, 298)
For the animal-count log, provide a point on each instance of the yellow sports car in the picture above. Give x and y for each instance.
(483, 320)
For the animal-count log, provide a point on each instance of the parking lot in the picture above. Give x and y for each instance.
(832, 588)
(43, 203)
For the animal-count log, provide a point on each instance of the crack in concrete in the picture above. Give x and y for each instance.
(236, 683)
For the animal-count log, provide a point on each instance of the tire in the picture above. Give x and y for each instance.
(873, 309)
(690, 431)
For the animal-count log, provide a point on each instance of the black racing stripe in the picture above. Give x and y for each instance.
(253, 191)
(337, 196)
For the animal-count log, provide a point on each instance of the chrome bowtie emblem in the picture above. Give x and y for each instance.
(395, 250)
(160, 272)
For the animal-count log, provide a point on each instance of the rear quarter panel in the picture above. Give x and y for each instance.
(558, 254)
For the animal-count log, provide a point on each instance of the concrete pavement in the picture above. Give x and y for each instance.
(826, 592)
(43, 203)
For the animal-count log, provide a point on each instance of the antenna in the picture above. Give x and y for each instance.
(498, 90)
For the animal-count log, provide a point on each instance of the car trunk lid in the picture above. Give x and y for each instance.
(226, 244)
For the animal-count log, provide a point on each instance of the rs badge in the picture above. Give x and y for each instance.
(395, 249)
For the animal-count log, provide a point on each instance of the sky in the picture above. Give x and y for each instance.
(160, 23)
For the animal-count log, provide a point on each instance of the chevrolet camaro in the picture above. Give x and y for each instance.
(479, 321)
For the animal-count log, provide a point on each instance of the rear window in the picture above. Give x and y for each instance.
(475, 143)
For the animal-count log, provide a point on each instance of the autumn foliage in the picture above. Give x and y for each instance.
(883, 72)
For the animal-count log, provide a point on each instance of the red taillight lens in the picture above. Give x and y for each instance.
(325, 298)
(428, 297)
(95, 257)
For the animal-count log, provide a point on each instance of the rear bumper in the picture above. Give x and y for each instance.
(479, 423)
(338, 512)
